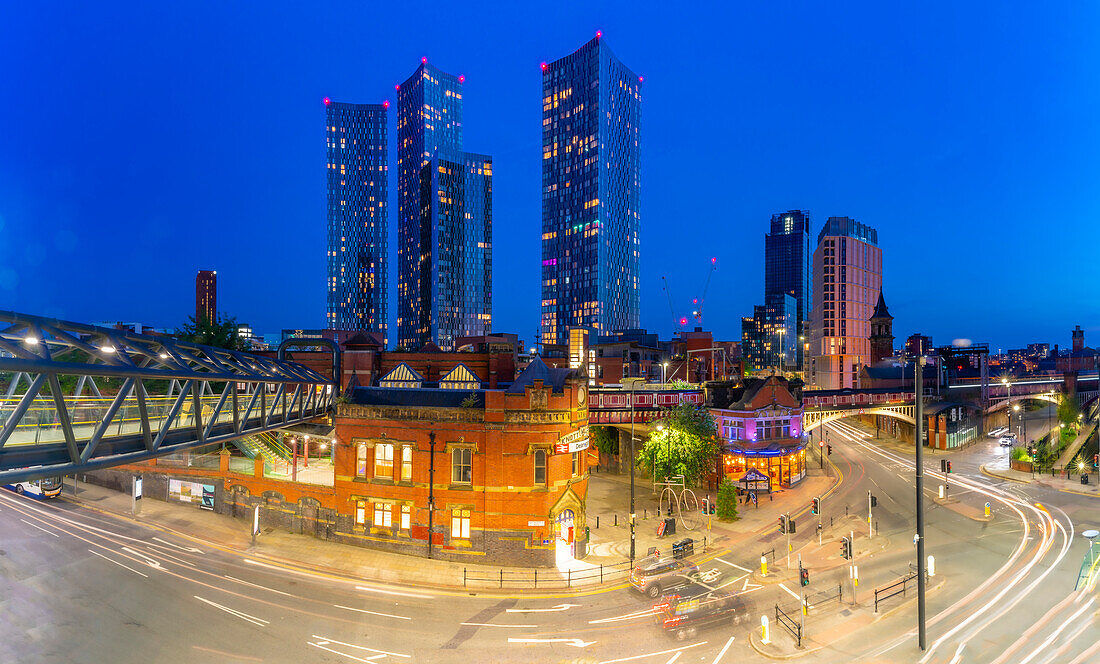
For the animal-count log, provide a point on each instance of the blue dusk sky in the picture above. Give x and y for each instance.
(143, 142)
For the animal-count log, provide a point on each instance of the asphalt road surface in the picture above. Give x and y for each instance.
(80, 586)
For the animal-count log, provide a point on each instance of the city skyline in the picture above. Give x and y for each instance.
(276, 215)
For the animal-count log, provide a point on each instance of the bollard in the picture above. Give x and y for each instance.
(764, 630)
(763, 565)
(537, 577)
(645, 514)
(987, 509)
(941, 491)
(597, 522)
(616, 518)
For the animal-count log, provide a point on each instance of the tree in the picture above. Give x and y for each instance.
(220, 333)
(727, 500)
(605, 439)
(685, 443)
(1068, 410)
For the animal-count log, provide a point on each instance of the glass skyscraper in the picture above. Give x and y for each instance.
(847, 282)
(355, 142)
(444, 253)
(456, 239)
(590, 113)
(787, 269)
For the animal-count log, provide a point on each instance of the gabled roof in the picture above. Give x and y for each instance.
(537, 370)
(460, 377)
(401, 376)
(756, 393)
(430, 348)
(363, 338)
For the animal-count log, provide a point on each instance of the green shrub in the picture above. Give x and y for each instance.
(727, 501)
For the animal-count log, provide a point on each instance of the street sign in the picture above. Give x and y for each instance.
(572, 442)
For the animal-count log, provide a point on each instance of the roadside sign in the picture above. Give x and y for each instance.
(572, 442)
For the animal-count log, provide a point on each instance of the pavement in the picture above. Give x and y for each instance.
(1058, 480)
(604, 567)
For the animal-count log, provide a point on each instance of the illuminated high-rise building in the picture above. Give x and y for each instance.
(355, 143)
(590, 112)
(444, 233)
(847, 283)
(206, 296)
(787, 270)
(456, 240)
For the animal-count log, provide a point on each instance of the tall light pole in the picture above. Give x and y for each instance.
(1008, 386)
(664, 367)
(919, 394)
(632, 386)
(668, 450)
(1019, 421)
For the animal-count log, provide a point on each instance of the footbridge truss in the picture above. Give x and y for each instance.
(78, 397)
(813, 418)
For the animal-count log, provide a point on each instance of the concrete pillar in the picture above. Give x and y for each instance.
(258, 467)
(223, 461)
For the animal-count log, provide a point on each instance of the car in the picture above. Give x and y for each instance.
(683, 613)
(654, 575)
(1007, 440)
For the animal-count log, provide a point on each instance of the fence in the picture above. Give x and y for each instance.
(896, 588)
(549, 579)
(825, 596)
(792, 626)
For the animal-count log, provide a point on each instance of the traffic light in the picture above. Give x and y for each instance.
(1031, 450)
(949, 466)
(845, 548)
(816, 506)
(804, 576)
(782, 524)
(1096, 460)
(874, 500)
(830, 451)
(943, 465)
(790, 524)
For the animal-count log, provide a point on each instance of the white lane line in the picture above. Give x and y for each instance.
(1066, 623)
(256, 585)
(48, 532)
(575, 642)
(790, 592)
(117, 563)
(326, 640)
(189, 549)
(373, 613)
(233, 612)
(732, 565)
(151, 562)
(723, 650)
(344, 654)
(496, 625)
(628, 616)
(674, 658)
(958, 654)
(652, 654)
(173, 558)
(559, 607)
(393, 592)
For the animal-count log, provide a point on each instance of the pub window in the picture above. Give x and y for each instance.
(575, 462)
(360, 512)
(460, 523)
(382, 515)
(361, 461)
(461, 472)
(406, 517)
(383, 460)
(406, 464)
(540, 467)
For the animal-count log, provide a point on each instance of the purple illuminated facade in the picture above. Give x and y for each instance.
(760, 426)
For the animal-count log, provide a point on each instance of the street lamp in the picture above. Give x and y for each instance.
(632, 386)
(668, 449)
(664, 367)
(1019, 419)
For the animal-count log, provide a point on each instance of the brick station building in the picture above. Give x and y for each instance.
(507, 467)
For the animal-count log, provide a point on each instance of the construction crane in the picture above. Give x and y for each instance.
(697, 303)
(681, 321)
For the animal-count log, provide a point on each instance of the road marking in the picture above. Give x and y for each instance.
(393, 592)
(256, 585)
(496, 625)
(723, 650)
(173, 558)
(227, 655)
(189, 549)
(559, 607)
(628, 616)
(1054, 635)
(674, 657)
(117, 563)
(575, 642)
(790, 592)
(373, 613)
(732, 565)
(233, 612)
(958, 654)
(326, 640)
(50, 532)
(652, 654)
(344, 654)
(151, 562)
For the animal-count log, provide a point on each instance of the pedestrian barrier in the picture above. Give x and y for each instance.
(896, 588)
(793, 627)
(549, 579)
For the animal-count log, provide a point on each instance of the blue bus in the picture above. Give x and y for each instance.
(47, 487)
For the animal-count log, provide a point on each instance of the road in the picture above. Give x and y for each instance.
(81, 586)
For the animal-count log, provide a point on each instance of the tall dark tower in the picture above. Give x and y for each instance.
(882, 332)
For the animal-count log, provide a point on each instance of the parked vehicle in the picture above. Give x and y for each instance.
(654, 575)
(47, 487)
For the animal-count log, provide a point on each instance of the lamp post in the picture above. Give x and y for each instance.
(668, 449)
(1019, 421)
(919, 394)
(632, 386)
(431, 488)
(664, 380)
(1008, 386)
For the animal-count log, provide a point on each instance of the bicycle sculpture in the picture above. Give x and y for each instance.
(675, 495)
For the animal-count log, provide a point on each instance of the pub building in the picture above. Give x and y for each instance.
(760, 429)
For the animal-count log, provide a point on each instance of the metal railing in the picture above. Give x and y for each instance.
(896, 588)
(547, 578)
(793, 627)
